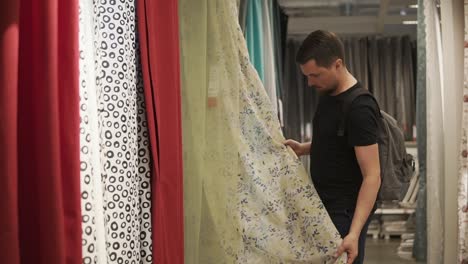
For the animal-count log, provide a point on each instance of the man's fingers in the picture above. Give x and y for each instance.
(340, 251)
(351, 257)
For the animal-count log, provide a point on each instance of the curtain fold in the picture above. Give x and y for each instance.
(280, 21)
(193, 51)
(270, 77)
(408, 89)
(292, 93)
(356, 57)
(384, 65)
(9, 45)
(435, 134)
(420, 242)
(463, 170)
(159, 34)
(243, 13)
(39, 101)
(254, 35)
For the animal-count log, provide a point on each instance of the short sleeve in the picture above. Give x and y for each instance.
(362, 122)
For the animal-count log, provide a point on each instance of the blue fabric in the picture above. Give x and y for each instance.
(254, 35)
(420, 243)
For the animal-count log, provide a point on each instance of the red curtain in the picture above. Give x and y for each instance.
(39, 132)
(9, 37)
(159, 43)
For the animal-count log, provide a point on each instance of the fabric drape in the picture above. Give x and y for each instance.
(391, 75)
(193, 51)
(9, 45)
(463, 170)
(243, 13)
(116, 195)
(408, 92)
(462, 185)
(356, 58)
(420, 241)
(254, 36)
(248, 198)
(158, 25)
(39, 167)
(270, 80)
(279, 26)
(299, 100)
(435, 133)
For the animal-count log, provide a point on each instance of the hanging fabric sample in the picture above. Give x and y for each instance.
(293, 95)
(356, 58)
(275, 17)
(115, 157)
(463, 176)
(40, 218)
(243, 13)
(420, 241)
(435, 133)
(253, 200)
(390, 77)
(9, 47)
(159, 38)
(300, 100)
(269, 56)
(409, 90)
(254, 35)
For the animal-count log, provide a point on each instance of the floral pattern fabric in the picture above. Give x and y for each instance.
(463, 175)
(248, 198)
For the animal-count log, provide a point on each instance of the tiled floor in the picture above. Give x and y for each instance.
(384, 252)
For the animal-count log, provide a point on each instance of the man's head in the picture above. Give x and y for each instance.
(321, 57)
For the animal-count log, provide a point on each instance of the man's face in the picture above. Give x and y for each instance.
(324, 79)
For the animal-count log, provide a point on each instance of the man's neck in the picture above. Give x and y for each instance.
(346, 83)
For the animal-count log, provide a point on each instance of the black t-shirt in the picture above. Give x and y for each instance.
(334, 168)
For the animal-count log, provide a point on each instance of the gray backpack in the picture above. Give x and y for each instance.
(396, 166)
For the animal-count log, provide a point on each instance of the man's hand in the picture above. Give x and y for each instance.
(350, 246)
(299, 148)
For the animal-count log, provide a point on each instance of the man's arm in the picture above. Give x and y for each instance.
(299, 148)
(368, 159)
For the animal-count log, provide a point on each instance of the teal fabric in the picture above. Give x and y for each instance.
(254, 35)
(420, 243)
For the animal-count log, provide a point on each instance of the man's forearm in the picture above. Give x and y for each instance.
(365, 203)
(306, 148)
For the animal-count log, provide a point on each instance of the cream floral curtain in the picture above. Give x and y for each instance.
(248, 199)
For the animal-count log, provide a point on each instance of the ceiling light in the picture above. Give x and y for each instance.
(410, 22)
(413, 6)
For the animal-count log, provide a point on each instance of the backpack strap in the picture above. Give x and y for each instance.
(346, 103)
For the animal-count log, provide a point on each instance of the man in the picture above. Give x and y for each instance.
(344, 169)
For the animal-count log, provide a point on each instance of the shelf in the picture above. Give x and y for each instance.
(390, 211)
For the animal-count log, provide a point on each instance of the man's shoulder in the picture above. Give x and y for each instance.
(365, 101)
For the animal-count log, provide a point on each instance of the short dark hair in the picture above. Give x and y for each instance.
(322, 46)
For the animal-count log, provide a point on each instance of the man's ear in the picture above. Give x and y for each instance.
(338, 63)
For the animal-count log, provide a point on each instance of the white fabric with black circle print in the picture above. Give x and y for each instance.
(115, 158)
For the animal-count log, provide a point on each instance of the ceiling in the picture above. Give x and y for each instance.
(357, 17)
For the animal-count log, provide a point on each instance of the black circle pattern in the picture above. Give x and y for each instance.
(115, 157)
